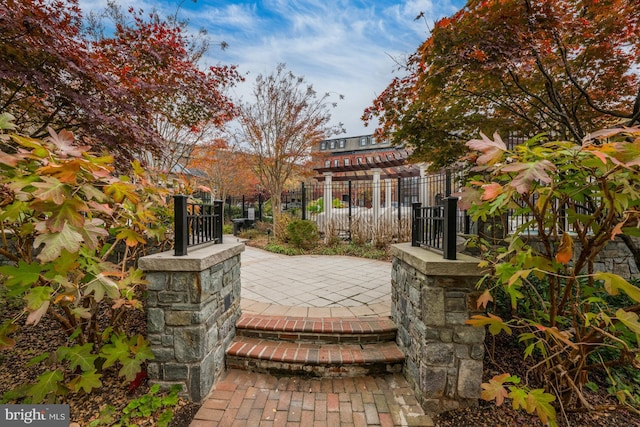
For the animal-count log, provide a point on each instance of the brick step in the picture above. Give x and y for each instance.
(317, 329)
(313, 359)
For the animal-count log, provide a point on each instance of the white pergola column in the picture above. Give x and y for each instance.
(387, 192)
(423, 192)
(328, 201)
(376, 195)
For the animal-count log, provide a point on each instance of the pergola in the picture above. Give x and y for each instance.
(391, 166)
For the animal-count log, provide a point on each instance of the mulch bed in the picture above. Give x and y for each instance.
(47, 336)
(32, 341)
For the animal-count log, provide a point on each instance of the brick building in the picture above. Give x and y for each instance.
(354, 158)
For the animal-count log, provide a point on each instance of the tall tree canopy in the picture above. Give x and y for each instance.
(285, 118)
(565, 67)
(111, 91)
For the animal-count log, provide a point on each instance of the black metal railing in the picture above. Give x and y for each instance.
(196, 223)
(436, 227)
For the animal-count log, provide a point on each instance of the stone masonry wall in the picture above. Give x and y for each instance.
(193, 304)
(430, 301)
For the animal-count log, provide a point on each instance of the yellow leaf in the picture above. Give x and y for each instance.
(494, 389)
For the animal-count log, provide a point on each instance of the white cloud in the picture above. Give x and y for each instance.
(342, 46)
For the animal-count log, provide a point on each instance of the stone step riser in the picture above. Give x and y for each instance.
(317, 330)
(319, 347)
(328, 360)
(301, 369)
(317, 338)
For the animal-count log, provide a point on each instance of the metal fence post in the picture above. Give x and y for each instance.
(259, 206)
(350, 200)
(415, 223)
(218, 209)
(450, 234)
(181, 226)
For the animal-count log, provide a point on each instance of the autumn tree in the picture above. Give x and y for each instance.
(108, 91)
(159, 60)
(284, 120)
(561, 67)
(228, 171)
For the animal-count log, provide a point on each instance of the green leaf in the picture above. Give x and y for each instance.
(165, 418)
(630, 320)
(117, 350)
(539, 401)
(592, 386)
(141, 349)
(613, 283)
(54, 243)
(518, 397)
(47, 383)
(87, 381)
(631, 231)
(37, 359)
(79, 356)
(529, 172)
(38, 296)
(130, 368)
(102, 285)
(22, 277)
(6, 121)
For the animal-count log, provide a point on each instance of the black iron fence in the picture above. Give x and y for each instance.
(196, 223)
(436, 227)
(357, 210)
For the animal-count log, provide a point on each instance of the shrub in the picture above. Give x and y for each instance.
(282, 249)
(302, 233)
(63, 214)
(227, 228)
(560, 306)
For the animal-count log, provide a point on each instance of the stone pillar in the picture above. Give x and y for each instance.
(328, 202)
(193, 304)
(431, 298)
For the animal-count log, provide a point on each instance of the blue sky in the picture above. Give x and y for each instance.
(347, 47)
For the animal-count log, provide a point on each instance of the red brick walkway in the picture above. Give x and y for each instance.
(247, 399)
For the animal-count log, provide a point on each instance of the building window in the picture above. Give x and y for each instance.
(332, 145)
(346, 162)
(323, 145)
(336, 163)
(327, 163)
(341, 143)
(373, 141)
(359, 160)
(363, 141)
